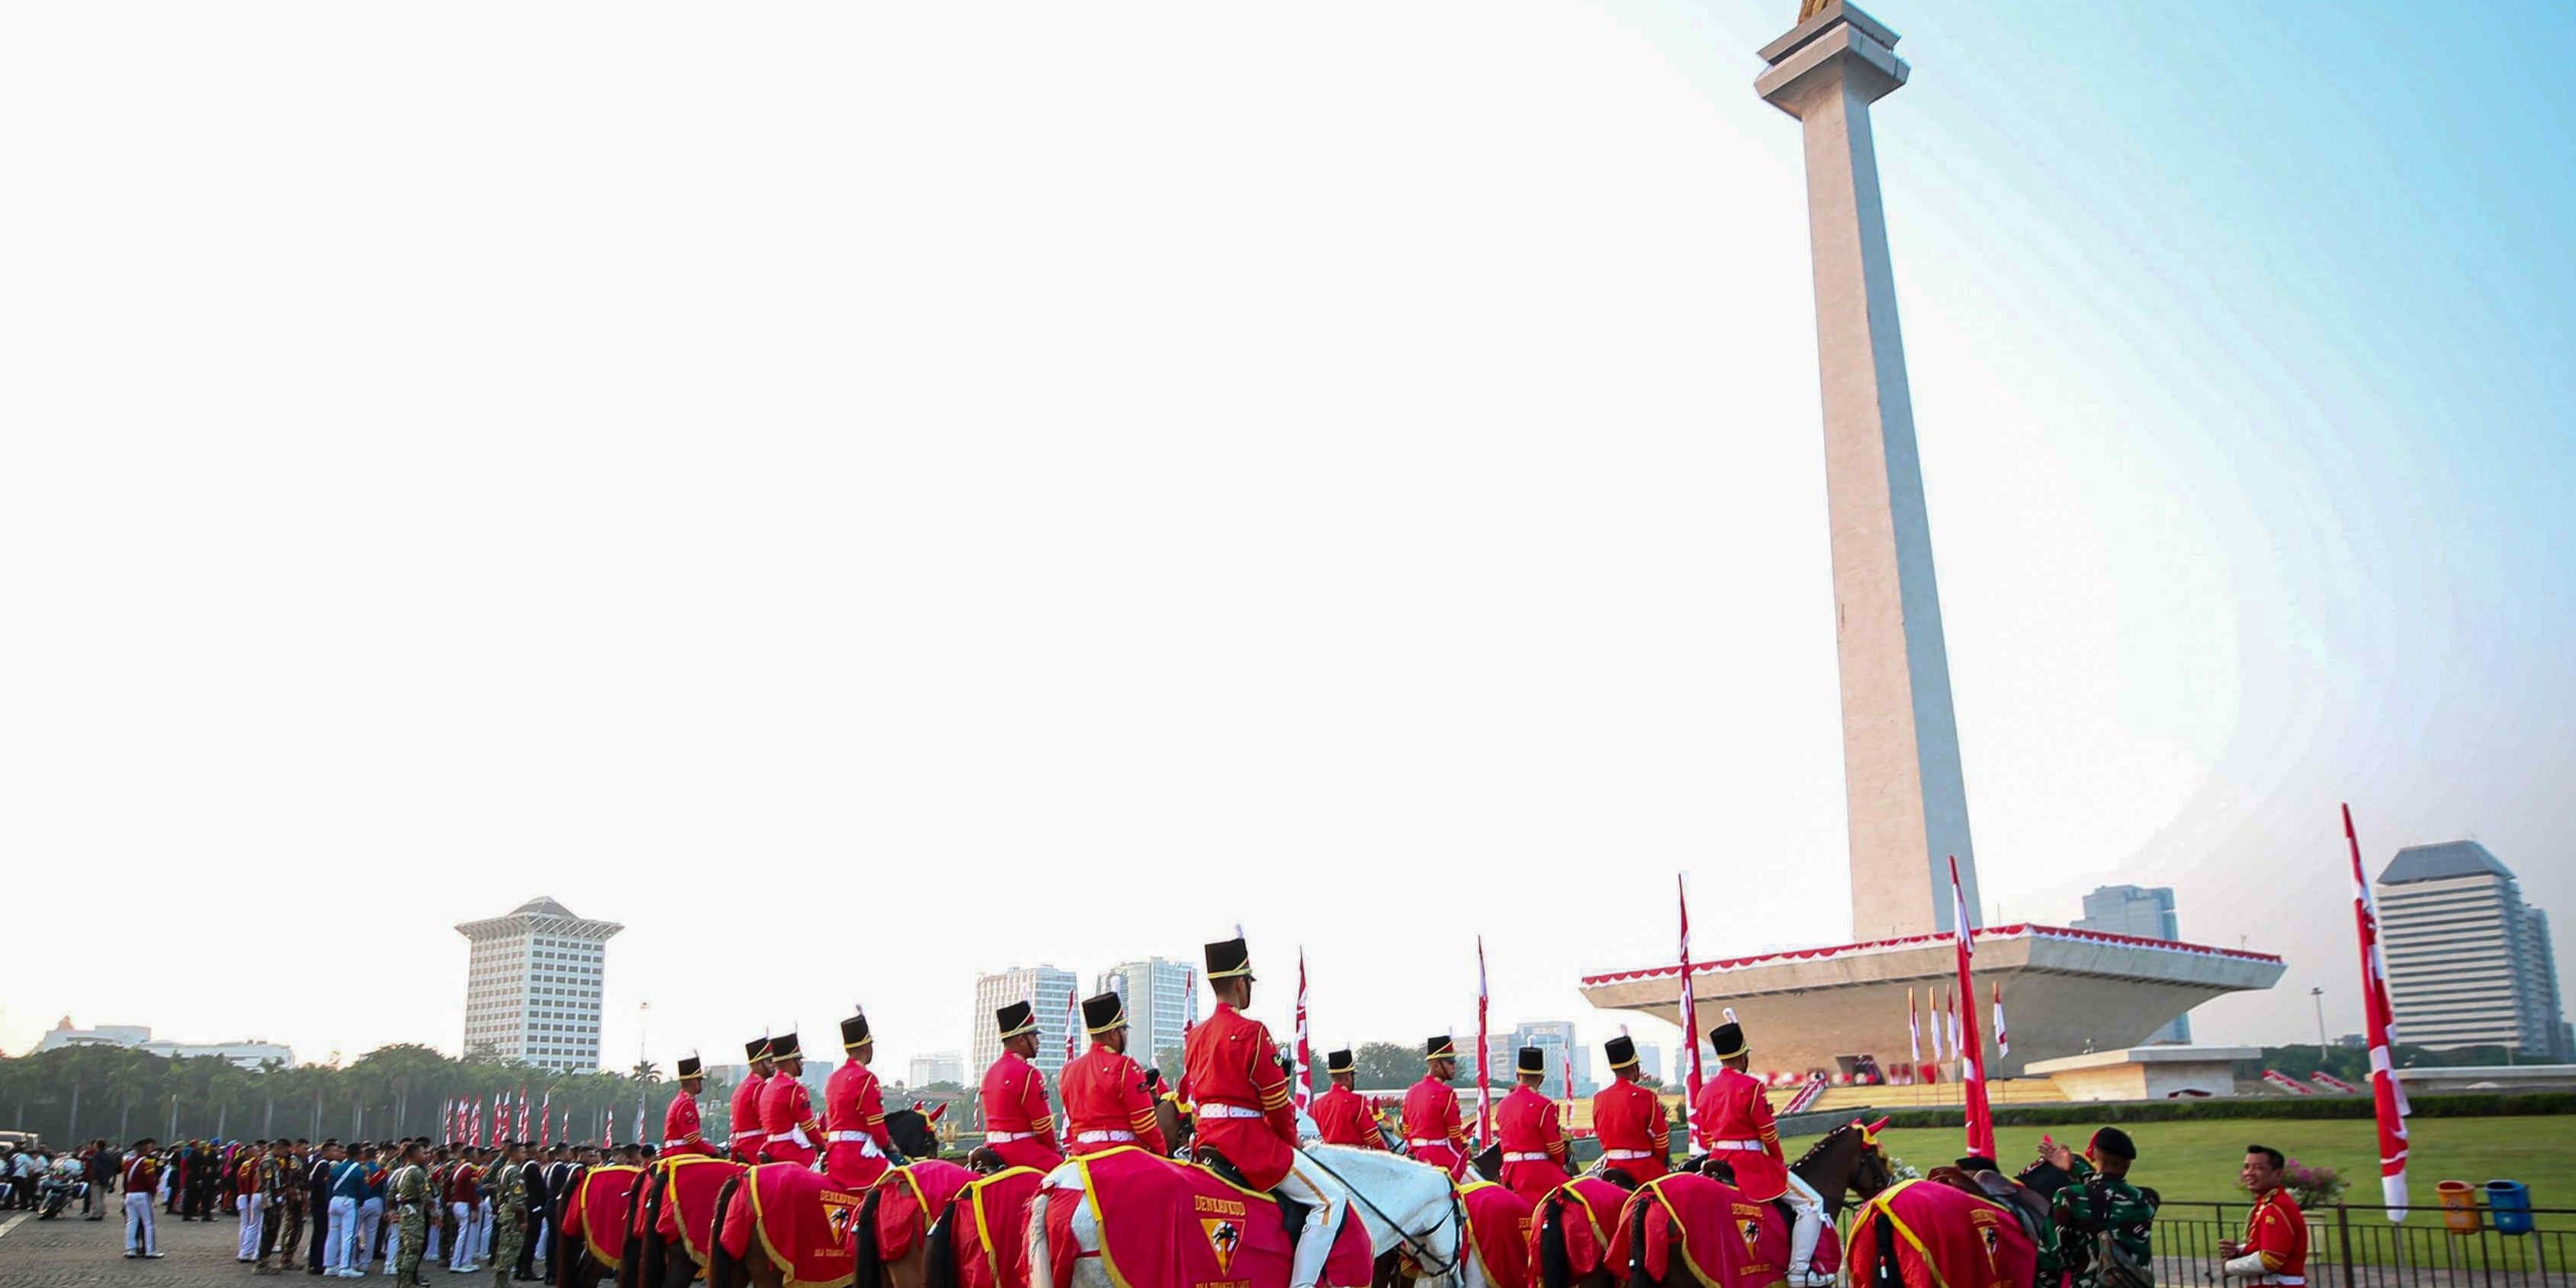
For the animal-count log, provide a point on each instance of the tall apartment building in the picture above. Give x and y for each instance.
(532, 979)
(2142, 912)
(1162, 1003)
(2469, 963)
(1050, 990)
(1553, 1037)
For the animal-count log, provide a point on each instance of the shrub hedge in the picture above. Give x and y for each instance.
(2458, 1104)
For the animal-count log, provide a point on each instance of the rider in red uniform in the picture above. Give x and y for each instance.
(856, 1148)
(786, 1108)
(1732, 1118)
(1342, 1116)
(1432, 1132)
(1244, 1116)
(1106, 1104)
(681, 1133)
(1534, 1146)
(747, 1133)
(1629, 1120)
(1018, 1126)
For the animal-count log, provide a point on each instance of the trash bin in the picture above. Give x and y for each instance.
(2509, 1203)
(2459, 1207)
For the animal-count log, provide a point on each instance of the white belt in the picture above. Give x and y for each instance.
(1735, 1144)
(1627, 1153)
(1425, 1142)
(1228, 1111)
(2294, 1281)
(748, 1135)
(796, 1134)
(1103, 1137)
(1006, 1137)
(1528, 1158)
(867, 1144)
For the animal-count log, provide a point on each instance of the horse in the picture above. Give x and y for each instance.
(1845, 1165)
(598, 1249)
(913, 1137)
(666, 1245)
(1410, 1211)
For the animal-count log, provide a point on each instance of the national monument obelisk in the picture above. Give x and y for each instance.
(1901, 776)
(1823, 1008)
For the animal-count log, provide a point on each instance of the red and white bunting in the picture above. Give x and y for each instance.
(2286, 1083)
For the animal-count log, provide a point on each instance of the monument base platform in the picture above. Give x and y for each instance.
(2146, 1073)
(2065, 992)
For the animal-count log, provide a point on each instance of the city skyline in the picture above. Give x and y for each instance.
(1375, 555)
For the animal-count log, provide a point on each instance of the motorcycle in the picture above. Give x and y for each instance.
(54, 1193)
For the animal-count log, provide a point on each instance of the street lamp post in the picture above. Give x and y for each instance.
(2318, 995)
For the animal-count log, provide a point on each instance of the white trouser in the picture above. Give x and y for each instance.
(482, 1231)
(371, 1216)
(1323, 1217)
(138, 1224)
(344, 1233)
(545, 1235)
(429, 1250)
(252, 1207)
(1803, 1233)
(462, 1255)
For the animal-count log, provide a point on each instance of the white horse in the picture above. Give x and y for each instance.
(1403, 1205)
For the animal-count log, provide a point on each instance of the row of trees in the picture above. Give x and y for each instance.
(75, 1093)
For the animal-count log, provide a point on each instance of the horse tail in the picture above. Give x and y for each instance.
(723, 1271)
(1555, 1268)
(939, 1251)
(630, 1267)
(654, 1253)
(863, 1235)
(1637, 1277)
(1887, 1271)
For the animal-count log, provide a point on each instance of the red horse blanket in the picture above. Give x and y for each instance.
(909, 1198)
(1944, 1238)
(598, 1211)
(1499, 1230)
(690, 1183)
(1589, 1214)
(802, 1222)
(989, 1232)
(1724, 1239)
(1163, 1222)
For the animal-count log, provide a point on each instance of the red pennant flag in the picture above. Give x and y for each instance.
(1305, 1056)
(1689, 1014)
(1971, 1048)
(2380, 1022)
(1484, 1059)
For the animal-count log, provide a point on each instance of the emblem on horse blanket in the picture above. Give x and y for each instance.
(1942, 1238)
(1177, 1225)
(1498, 1232)
(1590, 1221)
(690, 1183)
(909, 1198)
(802, 1221)
(1725, 1239)
(598, 1211)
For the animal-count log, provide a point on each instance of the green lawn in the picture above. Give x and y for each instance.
(2197, 1161)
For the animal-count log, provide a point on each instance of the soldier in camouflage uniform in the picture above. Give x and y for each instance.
(411, 1194)
(2101, 1206)
(509, 1213)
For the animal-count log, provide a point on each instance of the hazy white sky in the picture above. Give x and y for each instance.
(867, 494)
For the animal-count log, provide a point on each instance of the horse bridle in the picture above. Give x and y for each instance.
(1407, 1245)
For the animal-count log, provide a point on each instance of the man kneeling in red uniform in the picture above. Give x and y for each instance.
(1244, 1117)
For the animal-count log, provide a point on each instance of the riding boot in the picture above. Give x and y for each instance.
(1803, 1234)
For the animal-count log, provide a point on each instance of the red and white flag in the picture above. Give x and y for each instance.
(608, 1134)
(1913, 1036)
(2286, 1083)
(2003, 1039)
(1305, 1056)
(546, 1120)
(474, 1130)
(500, 1117)
(2380, 1022)
(1690, 1016)
(1971, 1049)
(1484, 1058)
(1072, 1025)
(522, 1133)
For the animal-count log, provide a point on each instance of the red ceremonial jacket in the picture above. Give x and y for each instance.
(2278, 1230)
(785, 1108)
(1243, 1109)
(1732, 1119)
(1015, 1103)
(1105, 1099)
(1629, 1120)
(681, 1133)
(747, 1131)
(1533, 1144)
(1431, 1127)
(1343, 1117)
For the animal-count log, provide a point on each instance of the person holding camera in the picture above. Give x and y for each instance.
(2102, 1220)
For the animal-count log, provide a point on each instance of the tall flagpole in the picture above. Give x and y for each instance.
(1484, 1071)
(1689, 1016)
(2387, 1095)
(1305, 1056)
(1970, 1047)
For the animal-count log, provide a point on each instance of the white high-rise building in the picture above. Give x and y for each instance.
(1162, 1003)
(2141, 912)
(937, 1066)
(1047, 988)
(2469, 963)
(532, 983)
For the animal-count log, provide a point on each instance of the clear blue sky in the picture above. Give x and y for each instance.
(1057, 485)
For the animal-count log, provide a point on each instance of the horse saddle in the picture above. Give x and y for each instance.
(2026, 1204)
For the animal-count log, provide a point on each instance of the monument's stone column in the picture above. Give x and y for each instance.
(1909, 805)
